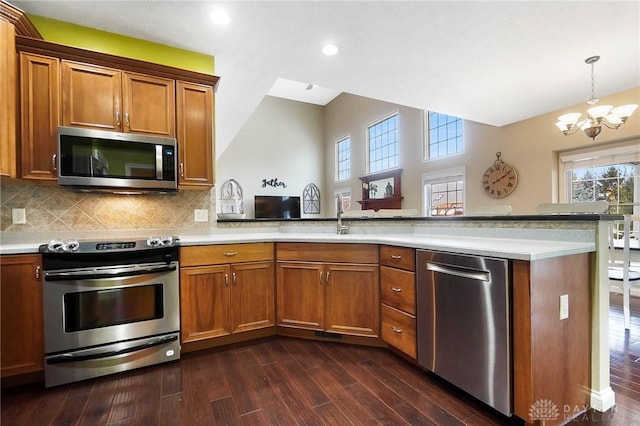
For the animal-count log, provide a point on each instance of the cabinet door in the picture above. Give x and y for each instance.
(195, 134)
(8, 67)
(352, 299)
(91, 96)
(204, 301)
(300, 293)
(22, 336)
(39, 107)
(252, 296)
(149, 105)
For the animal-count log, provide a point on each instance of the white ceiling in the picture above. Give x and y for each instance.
(487, 61)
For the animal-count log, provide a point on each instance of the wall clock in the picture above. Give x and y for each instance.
(500, 179)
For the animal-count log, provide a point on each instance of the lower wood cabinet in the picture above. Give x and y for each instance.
(328, 296)
(219, 299)
(398, 298)
(22, 336)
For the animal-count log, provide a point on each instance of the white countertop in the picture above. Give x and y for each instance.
(509, 248)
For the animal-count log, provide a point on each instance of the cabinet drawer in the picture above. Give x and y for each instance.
(398, 288)
(225, 253)
(327, 252)
(399, 329)
(398, 257)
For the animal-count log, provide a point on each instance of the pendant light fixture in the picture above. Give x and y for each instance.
(596, 116)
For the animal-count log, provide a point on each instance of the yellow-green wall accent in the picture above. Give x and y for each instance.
(120, 45)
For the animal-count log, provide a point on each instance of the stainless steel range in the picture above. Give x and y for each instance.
(109, 306)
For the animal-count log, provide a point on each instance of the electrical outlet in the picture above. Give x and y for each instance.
(201, 215)
(18, 216)
(564, 306)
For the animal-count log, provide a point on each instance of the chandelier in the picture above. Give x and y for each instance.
(597, 116)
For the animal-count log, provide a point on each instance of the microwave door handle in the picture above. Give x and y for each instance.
(69, 357)
(159, 174)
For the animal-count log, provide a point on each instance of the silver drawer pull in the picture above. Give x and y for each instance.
(396, 257)
(230, 253)
(396, 329)
(396, 289)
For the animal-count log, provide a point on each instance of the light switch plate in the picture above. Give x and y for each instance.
(564, 306)
(18, 216)
(201, 215)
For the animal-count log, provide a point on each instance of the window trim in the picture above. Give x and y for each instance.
(367, 150)
(444, 174)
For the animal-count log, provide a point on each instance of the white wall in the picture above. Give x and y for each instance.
(283, 139)
(295, 142)
(531, 146)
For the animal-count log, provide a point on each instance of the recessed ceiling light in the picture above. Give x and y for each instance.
(220, 17)
(330, 49)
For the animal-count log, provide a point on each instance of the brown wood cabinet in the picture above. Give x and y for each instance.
(320, 287)
(398, 297)
(22, 336)
(110, 99)
(195, 135)
(551, 356)
(39, 116)
(8, 100)
(226, 289)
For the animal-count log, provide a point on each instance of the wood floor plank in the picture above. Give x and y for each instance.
(225, 411)
(331, 415)
(173, 411)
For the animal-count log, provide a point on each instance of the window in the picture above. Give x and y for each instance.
(444, 193)
(343, 159)
(611, 174)
(383, 144)
(444, 135)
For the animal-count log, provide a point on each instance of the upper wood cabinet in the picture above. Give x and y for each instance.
(110, 99)
(195, 135)
(39, 115)
(8, 160)
(21, 315)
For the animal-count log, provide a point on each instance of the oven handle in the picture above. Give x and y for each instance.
(68, 357)
(117, 272)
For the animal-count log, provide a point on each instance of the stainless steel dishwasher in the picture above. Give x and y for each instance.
(463, 323)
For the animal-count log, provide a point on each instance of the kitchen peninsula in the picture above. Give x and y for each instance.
(550, 256)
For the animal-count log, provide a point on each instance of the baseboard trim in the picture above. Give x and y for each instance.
(603, 400)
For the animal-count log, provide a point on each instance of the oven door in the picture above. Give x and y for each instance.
(117, 304)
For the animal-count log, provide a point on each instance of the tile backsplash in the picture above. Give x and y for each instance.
(50, 208)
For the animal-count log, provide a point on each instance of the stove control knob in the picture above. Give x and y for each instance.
(166, 241)
(70, 245)
(55, 246)
(154, 242)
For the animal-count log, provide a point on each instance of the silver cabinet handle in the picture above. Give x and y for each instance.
(320, 277)
(396, 257)
(230, 253)
(396, 289)
(181, 169)
(396, 329)
(233, 278)
(126, 119)
(117, 118)
(226, 280)
(328, 278)
(38, 268)
(54, 162)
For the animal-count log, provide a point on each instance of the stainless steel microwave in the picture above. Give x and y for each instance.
(111, 161)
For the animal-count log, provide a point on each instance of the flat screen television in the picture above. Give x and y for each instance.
(277, 207)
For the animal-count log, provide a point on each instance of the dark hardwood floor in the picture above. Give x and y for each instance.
(286, 381)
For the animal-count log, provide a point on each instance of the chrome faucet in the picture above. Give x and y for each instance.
(341, 229)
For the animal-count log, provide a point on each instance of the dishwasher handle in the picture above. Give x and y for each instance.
(459, 272)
